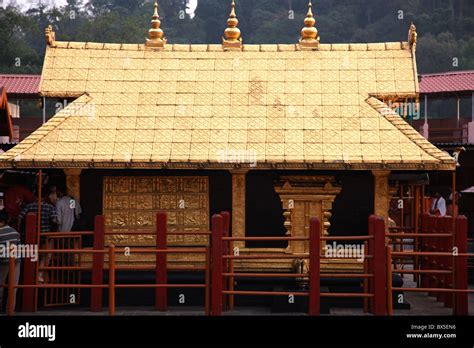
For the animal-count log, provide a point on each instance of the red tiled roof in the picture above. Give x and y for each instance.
(20, 85)
(458, 81)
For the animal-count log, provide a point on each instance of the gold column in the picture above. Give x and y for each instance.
(238, 205)
(73, 182)
(381, 193)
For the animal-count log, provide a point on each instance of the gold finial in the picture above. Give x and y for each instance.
(309, 34)
(156, 35)
(412, 36)
(50, 35)
(232, 33)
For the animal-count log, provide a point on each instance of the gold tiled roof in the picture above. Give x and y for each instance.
(183, 106)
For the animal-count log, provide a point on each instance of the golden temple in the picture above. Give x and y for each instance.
(307, 106)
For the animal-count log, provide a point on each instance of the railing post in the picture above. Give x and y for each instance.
(389, 281)
(207, 290)
(98, 263)
(450, 261)
(161, 294)
(112, 280)
(379, 267)
(425, 222)
(431, 260)
(366, 280)
(370, 262)
(225, 251)
(29, 266)
(461, 303)
(314, 267)
(446, 262)
(217, 233)
(441, 262)
(438, 263)
(11, 286)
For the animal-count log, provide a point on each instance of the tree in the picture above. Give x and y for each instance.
(438, 53)
(467, 56)
(445, 28)
(16, 53)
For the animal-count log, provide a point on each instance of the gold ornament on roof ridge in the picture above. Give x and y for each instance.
(412, 36)
(50, 35)
(309, 34)
(156, 35)
(232, 33)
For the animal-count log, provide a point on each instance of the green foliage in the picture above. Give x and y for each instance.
(445, 27)
(438, 53)
(467, 55)
(16, 51)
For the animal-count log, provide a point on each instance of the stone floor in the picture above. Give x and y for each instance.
(421, 304)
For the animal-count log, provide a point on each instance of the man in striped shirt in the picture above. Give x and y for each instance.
(49, 217)
(48, 223)
(8, 238)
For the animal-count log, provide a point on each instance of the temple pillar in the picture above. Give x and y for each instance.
(238, 205)
(73, 182)
(381, 194)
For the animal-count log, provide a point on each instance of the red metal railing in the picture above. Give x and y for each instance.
(444, 261)
(443, 269)
(62, 267)
(219, 263)
(30, 285)
(112, 285)
(376, 276)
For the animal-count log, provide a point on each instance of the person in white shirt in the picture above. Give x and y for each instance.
(68, 210)
(438, 207)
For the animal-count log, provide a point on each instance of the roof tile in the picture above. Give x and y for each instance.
(459, 81)
(20, 85)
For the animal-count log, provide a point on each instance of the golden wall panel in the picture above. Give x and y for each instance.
(130, 205)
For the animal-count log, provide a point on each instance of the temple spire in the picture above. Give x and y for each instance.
(412, 36)
(232, 33)
(50, 35)
(156, 35)
(309, 34)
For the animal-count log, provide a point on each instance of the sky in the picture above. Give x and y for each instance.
(27, 3)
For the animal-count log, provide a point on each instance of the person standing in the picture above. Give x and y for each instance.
(68, 210)
(438, 207)
(48, 223)
(53, 195)
(8, 237)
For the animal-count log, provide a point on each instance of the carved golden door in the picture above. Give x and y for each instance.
(304, 197)
(131, 204)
